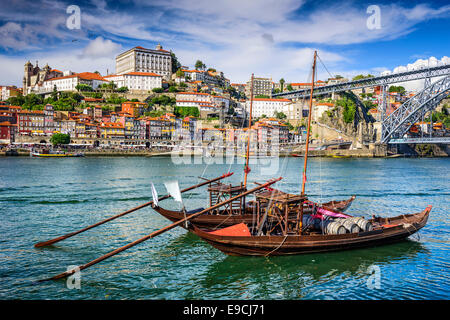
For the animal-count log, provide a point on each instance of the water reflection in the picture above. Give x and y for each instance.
(314, 266)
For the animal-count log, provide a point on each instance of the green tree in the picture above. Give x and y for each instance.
(199, 65)
(361, 76)
(60, 138)
(175, 63)
(279, 115)
(179, 73)
(398, 89)
(16, 101)
(289, 87)
(122, 89)
(157, 90)
(282, 81)
(173, 89)
(186, 111)
(83, 87)
(349, 109)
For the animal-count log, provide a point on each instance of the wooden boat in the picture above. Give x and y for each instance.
(53, 154)
(385, 230)
(223, 218)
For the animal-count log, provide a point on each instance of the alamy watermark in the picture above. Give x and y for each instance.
(74, 280)
(374, 280)
(74, 20)
(374, 21)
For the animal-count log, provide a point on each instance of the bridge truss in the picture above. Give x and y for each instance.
(424, 73)
(414, 109)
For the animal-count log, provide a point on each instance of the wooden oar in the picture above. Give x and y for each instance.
(158, 232)
(52, 241)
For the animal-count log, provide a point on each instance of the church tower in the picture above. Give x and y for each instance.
(28, 72)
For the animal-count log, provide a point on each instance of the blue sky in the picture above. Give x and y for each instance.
(272, 38)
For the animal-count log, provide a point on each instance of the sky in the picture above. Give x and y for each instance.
(270, 38)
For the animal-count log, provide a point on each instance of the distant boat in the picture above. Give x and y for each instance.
(53, 154)
(340, 156)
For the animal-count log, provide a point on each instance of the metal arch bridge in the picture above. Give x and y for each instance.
(423, 73)
(397, 124)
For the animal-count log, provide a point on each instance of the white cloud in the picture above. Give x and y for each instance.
(418, 64)
(100, 47)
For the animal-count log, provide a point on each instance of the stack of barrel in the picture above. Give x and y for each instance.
(340, 225)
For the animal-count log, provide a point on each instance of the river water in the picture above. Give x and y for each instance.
(44, 198)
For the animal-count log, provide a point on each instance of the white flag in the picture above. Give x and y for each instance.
(174, 190)
(155, 195)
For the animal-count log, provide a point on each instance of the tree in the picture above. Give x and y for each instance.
(83, 87)
(361, 76)
(199, 65)
(289, 87)
(173, 89)
(32, 100)
(186, 111)
(282, 81)
(398, 89)
(262, 96)
(60, 138)
(179, 73)
(182, 85)
(349, 109)
(16, 101)
(122, 89)
(157, 90)
(280, 115)
(175, 63)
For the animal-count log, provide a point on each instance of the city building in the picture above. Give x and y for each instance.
(319, 108)
(9, 91)
(266, 106)
(139, 59)
(140, 81)
(261, 86)
(70, 82)
(34, 76)
(31, 122)
(133, 108)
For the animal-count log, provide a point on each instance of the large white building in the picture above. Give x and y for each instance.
(69, 83)
(267, 107)
(139, 59)
(145, 81)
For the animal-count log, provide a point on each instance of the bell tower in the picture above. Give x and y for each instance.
(28, 72)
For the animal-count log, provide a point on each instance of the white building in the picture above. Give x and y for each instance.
(145, 81)
(8, 91)
(320, 108)
(69, 83)
(139, 59)
(204, 101)
(262, 106)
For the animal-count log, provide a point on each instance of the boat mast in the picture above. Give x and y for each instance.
(309, 124)
(247, 169)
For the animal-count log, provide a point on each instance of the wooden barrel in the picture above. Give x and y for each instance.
(349, 224)
(362, 223)
(332, 227)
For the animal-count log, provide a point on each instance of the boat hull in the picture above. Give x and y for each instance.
(398, 228)
(225, 220)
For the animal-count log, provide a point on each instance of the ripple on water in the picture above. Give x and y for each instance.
(178, 265)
